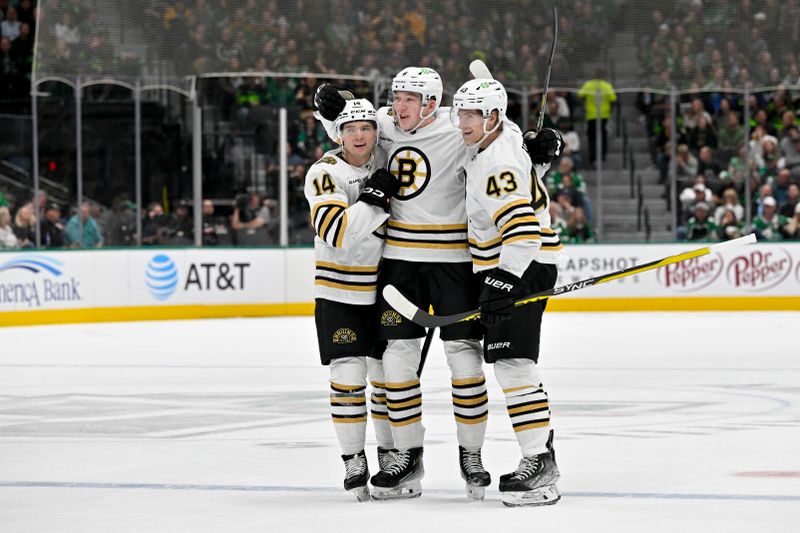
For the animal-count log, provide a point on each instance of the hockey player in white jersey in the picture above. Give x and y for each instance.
(427, 258)
(515, 252)
(348, 192)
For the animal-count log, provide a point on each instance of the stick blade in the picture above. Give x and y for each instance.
(399, 302)
(479, 70)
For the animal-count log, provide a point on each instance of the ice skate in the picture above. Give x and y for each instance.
(356, 475)
(384, 455)
(473, 473)
(532, 483)
(401, 478)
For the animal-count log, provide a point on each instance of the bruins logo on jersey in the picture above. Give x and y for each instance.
(413, 169)
(329, 159)
(344, 336)
(390, 318)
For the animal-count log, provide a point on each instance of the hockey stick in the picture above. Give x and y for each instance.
(423, 356)
(543, 104)
(479, 70)
(418, 316)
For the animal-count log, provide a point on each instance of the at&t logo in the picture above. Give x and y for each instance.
(161, 277)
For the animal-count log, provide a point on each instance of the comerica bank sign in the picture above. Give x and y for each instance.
(32, 280)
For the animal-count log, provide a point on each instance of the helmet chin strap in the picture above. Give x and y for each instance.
(487, 133)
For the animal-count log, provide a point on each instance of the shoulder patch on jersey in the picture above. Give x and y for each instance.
(329, 159)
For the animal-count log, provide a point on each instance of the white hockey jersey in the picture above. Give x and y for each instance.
(507, 205)
(350, 237)
(427, 217)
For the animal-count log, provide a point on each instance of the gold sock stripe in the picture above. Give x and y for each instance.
(522, 387)
(531, 425)
(471, 421)
(474, 402)
(529, 407)
(399, 406)
(405, 421)
(401, 386)
(378, 384)
(377, 415)
(477, 380)
(337, 387)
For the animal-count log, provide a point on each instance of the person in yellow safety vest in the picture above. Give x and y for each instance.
(608, 96)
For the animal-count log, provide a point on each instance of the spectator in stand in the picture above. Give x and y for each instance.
(122, 224)
(708, 167)
(780, 186)
(8, 241)
(695, 111)
(557, 222)
(181, 224)
(770, 155)
(730, 136)
(791, 230)
(52, 227)
(25, 226)
(87, 236)
(787, 208)
(578, 228)
(215, 228)
(154, 225)
(252, 221)
(700, 227)
(767, 226)
(730, 202)
(729, 226)
(790, 148)
(701, 135)
(608, 96)
(687, 166)
(9, 28)
(691, 196)
(572, 144)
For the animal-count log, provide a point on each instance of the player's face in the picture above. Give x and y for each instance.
(358, 138)
(470, 122)
(407, 107)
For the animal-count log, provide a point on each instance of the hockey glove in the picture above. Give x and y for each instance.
(500, 290)
(545, 147)
(379, 189)
(330, 100)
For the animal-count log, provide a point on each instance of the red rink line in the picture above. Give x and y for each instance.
(767, 473)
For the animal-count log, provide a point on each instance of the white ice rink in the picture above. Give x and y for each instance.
(680, 423)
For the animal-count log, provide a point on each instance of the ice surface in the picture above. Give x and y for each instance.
(673, 422)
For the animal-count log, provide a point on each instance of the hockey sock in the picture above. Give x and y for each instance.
(470, 400)
(380, 414)
(403, 393)
(527, 403)
(349, 403)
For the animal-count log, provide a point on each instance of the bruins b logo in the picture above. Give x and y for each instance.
(344, 336)
(390, 318)
(412, 169)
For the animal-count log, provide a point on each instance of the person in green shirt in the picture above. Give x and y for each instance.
(700, 226)
(608, 96)
(767, 225)
(91, 236)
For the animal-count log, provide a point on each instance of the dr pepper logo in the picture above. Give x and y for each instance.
(759, 270)
(691, 275)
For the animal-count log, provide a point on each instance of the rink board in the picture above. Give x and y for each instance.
(159, 284)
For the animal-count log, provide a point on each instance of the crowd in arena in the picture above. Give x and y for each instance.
(712, 164)
(226, 36)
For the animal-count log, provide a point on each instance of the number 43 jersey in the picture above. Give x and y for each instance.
(508, 207)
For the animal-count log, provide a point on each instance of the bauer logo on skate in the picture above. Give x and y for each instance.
(691, 275)
(759, 270)
(344, 336)
(390, 318)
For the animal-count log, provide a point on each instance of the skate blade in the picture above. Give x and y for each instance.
(361, 493)
(475, 492)
(546, 495)
(411, 489)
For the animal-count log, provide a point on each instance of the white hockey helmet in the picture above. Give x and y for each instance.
(421, 80)
(484, 95)
(355, 110)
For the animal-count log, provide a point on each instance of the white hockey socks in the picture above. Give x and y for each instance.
(378, 409)
(348, 402)
(527, 403)
(470, 400)
(403, 393)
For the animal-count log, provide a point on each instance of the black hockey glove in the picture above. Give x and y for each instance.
(329, 101)
(500, 290)
(379, 189)
(545, 147)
